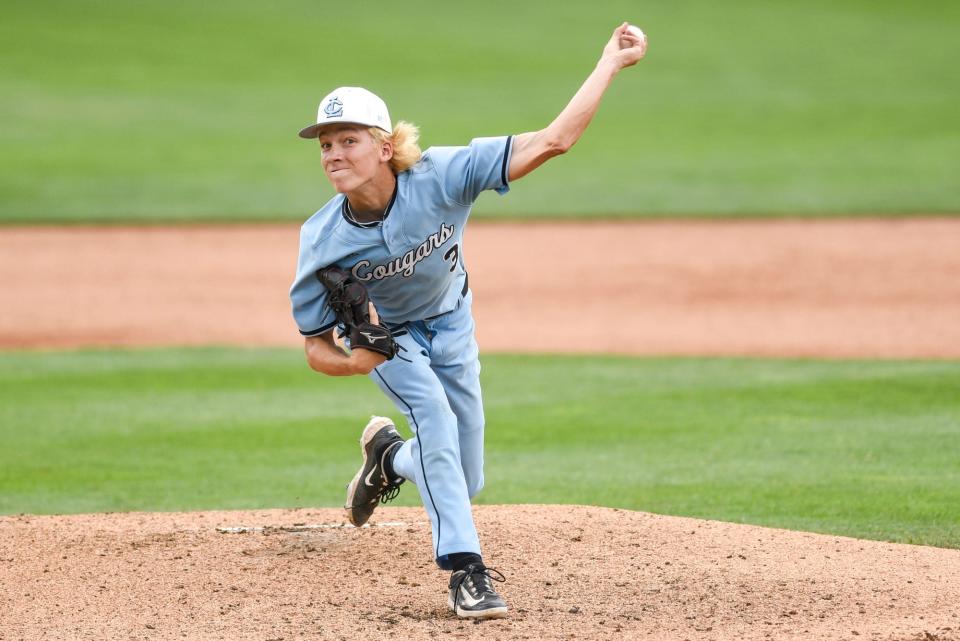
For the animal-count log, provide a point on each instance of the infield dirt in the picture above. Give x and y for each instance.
(836, 288)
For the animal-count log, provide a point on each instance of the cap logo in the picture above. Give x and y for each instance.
(334, 108)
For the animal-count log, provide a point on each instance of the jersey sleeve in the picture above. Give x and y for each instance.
(467, 171)
(308, 297)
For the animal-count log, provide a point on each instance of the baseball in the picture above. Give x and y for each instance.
(635, 30)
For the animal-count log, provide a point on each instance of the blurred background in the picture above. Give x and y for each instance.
(177, 110)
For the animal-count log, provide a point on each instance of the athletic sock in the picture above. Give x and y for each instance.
(387, 461)
(460, 560)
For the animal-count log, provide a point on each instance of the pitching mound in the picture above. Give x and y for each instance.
(573, 572)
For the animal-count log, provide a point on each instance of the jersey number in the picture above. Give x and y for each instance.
(453, 255)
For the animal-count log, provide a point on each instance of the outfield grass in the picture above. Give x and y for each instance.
(867, 449)
(176, 110)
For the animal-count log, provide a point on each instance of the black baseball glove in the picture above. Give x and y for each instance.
(349, 300)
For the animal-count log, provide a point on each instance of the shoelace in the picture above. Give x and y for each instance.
(389, 492)
(483, 584)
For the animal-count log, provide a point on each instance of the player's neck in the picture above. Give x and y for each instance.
(369, 201)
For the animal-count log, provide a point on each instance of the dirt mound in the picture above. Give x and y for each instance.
(573, 572)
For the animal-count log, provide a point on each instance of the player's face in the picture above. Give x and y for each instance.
(350, 156)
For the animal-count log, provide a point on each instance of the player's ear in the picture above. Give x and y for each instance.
(386, 150)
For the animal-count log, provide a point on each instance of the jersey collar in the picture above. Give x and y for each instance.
(348, 215)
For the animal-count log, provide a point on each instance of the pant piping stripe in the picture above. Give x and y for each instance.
(422, 468)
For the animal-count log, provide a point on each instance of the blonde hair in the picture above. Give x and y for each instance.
(406, 151)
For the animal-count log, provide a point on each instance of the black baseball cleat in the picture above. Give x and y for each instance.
(472, 595)
(370, 486)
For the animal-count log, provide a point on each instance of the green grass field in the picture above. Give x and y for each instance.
(174, 110)
(866, 449)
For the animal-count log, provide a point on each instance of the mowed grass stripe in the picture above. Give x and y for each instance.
(865, 449)
(177, 110)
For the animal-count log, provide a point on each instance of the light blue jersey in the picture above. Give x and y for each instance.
(412, 263)
(412, 266)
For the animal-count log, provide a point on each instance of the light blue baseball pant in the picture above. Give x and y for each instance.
(435, 382)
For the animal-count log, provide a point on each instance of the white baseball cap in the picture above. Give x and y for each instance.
(350, 105)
